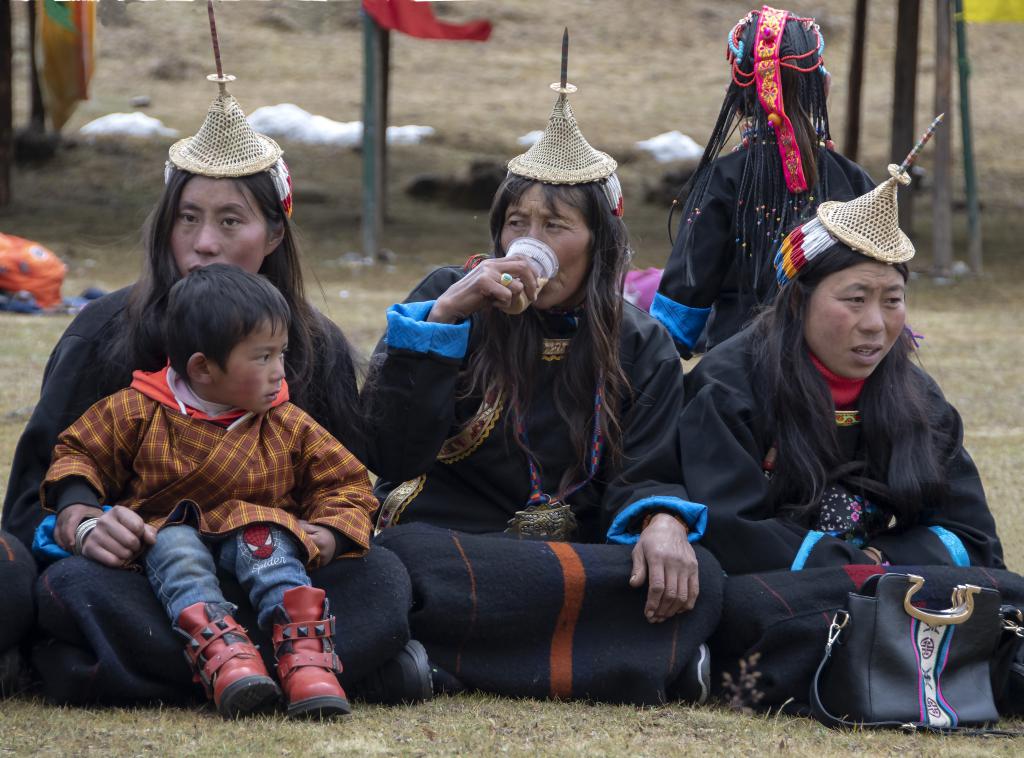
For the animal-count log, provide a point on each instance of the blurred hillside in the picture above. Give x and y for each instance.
(643, 67)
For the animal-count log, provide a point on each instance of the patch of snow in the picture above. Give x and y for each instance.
(127, 124)
(291, 122)
(530, 138)
(671, 146)
(410, 134)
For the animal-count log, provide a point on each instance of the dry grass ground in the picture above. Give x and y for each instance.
(643, 67)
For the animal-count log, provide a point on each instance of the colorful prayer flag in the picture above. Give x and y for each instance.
(66, 34)
(993, 11)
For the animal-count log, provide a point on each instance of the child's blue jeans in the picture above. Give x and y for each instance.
(265, 559)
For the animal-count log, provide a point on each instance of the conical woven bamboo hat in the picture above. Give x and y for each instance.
(870, 224)
(563, 155)
(225, 145)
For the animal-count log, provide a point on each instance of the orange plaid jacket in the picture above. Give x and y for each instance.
(278, 468)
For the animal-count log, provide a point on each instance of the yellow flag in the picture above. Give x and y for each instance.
(66, 32)
(987, 11)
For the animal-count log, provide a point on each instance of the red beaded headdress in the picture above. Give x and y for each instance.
(766, 74)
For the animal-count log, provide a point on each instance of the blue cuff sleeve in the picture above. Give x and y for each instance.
(953, 544)
(805, 550)
(408, 329)
(44, 546)
(694, 514)
(684, 323)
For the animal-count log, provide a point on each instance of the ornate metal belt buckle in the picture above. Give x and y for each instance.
(551, 521)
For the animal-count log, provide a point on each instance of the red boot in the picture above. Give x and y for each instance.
(306, 661)
(226, 662)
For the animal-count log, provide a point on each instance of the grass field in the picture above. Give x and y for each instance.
(641, 73)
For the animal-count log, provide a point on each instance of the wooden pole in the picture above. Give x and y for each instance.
(6, 105)
(942, 200)
(385, 86)
(970, 178)
(374, 133)
(904, 96)
(856, 78)
(37, 116)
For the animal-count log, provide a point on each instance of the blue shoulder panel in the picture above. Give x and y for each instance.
(684, 323)
(408, 329)
(694, 514)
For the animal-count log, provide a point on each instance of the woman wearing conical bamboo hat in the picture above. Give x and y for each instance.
(227, 199)
(821, 444)
(519, 394)
(817, 444)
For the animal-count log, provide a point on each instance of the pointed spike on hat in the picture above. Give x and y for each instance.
(563, 155)
(916, 149)
(213, 36)
(565, 57)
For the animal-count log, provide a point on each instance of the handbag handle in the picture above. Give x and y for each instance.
(962, 599)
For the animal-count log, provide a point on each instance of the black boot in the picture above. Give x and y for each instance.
(404, 679)
(10, 672)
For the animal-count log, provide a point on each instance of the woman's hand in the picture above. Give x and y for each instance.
(69, 519)
(323, 538)
(120, 535)
(664, 559)
(482, 288)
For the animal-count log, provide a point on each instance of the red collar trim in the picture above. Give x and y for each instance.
(845, 392)
(153, 384)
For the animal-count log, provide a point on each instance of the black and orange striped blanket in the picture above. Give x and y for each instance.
(17, 575)
(102, 636)
(546, 619)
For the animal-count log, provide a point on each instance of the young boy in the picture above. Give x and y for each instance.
(227, 473)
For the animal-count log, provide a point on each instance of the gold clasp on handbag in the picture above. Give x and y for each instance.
(836, 627)
(1016, 627)
(963, 604)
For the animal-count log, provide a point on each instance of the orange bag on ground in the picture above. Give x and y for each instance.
(27, 265)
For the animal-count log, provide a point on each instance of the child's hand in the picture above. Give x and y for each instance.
(323, 538)
(120, 536)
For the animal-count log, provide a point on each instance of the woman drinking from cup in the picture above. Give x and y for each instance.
(520, 394)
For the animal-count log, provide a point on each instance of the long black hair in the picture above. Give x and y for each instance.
(765, 208)
(137, 342)
(902, 444)
(501, 361)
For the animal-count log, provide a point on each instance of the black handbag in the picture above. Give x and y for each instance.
(888, 663)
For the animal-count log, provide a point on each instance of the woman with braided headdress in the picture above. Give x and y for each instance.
(737, 206)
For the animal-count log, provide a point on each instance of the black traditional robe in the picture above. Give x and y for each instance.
(453, 461)
(527, 618)
(725, 442)
(700, 291)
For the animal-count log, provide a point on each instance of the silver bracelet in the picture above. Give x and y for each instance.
(85, 527)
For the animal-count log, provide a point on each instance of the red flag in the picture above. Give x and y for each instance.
(417, 20)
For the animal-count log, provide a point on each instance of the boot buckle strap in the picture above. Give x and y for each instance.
(288, 663)
(197, 643)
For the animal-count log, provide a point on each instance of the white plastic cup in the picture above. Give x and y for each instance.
(542, 260)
